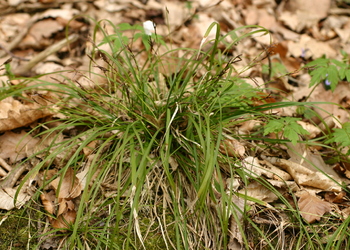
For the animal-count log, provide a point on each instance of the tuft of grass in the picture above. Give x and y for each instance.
(150, 143)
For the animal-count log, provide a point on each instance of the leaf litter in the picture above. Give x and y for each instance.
(301, 33)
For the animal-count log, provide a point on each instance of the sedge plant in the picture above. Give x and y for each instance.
(156, 177)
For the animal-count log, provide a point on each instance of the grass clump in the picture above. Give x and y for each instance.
(153, 131)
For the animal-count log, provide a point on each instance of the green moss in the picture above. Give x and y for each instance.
(155, 238)
(151, 231)
(14, 229)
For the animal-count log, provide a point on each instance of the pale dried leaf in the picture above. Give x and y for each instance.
(312, 207)
(64, 206)
(302, 155)
(291, 185)
(12, 24)
(253, 166)
(66, 13)
(7, 198)
(232, 184)
(299, 14)
(176, 13)
(9, 105)
(173, 163)
(345, 213)
(248, 126)
(90, 147)
(308, 47)
(312, 129)
(82, 176)
(16, 146)
(44, 29)
(258, 191)
(325, 110)
(236, 239)
(304, 176)
(274, 172)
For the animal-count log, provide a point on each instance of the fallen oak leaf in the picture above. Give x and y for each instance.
(65, 206)
(64, 220)
(48, 201)
(68, 188)
(312, 207)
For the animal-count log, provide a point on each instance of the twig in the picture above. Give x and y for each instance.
(19, 37)
(24, 69)
(13, 174)
(5, 165)
(13, 55)
(339, 11)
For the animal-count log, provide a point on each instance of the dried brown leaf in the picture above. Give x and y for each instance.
(64, 220)
(69, 188)
(335, 197)
(48, 201)
(90, 147)
(236, 239)
(14, 114)
(312, 207)
(65, 206)
(306, 177)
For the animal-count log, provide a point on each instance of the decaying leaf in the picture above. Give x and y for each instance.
(301, 154)
(313, 130)
(90, 147)
(335, 197)
(236, 239)
(312, 207)
(65, 206)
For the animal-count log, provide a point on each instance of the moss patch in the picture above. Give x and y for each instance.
(14, 229)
